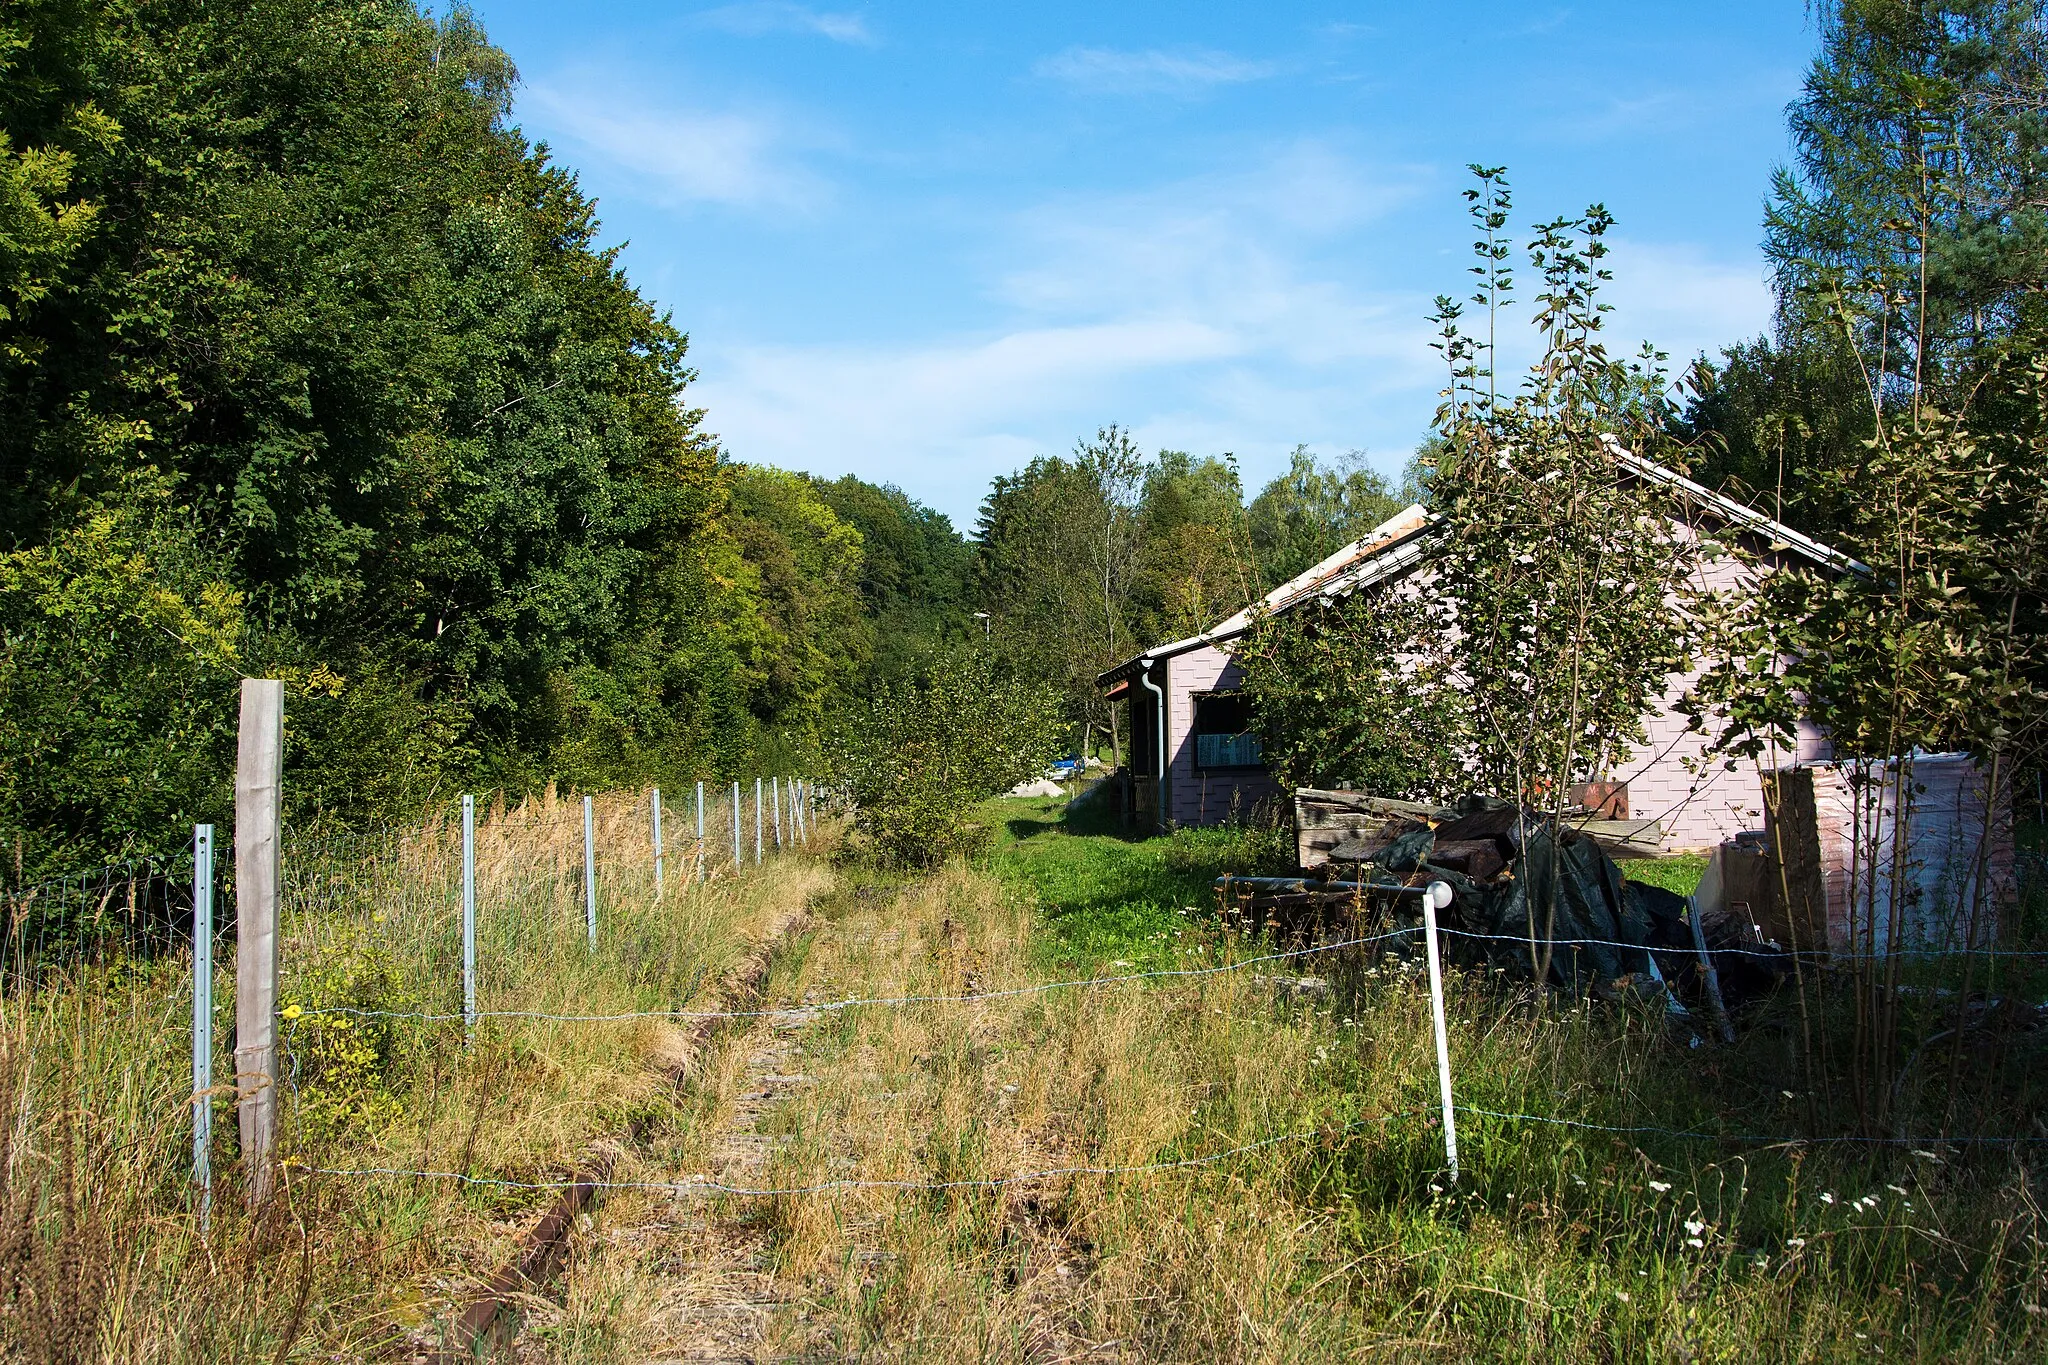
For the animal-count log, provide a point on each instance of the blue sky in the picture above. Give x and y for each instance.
(923, 243)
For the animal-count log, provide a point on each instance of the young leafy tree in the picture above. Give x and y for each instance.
(1359, 694)
(928, 747)
(1555, 570)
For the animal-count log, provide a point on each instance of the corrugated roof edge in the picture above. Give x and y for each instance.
(1404, 524)
(1736, 511)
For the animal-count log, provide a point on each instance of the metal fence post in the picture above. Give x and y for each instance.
(259, 771)
(589, 877)
(700, 831)
(657, 843)
(737, 861)
(202, 1019)
(1434, 898)
(775, 795)
(468, 916)
(757, 822)
(796, 810)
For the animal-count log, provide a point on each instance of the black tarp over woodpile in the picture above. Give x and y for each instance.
(1532, 894)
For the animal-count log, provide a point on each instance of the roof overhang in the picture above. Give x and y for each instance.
(1398, 545)
(1773, 532)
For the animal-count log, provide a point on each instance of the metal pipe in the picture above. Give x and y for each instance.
(1430, 904)
(468, 917)
(202, 1019)
(1159, 791)
(589, 877)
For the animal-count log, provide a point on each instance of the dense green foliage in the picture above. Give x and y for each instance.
(928, 746)
(1084, 561)
(916, 575)
(1310, 512)
(312, 367)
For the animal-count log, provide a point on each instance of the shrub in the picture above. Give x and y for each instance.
(926, 749)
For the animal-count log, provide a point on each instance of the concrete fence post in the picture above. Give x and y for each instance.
(700, 831)
(468, 917)
(737, 860)
(202, 1019)
(259, 772)
(589, 877)
(1435, 898)
(757, 822)
(657, 843)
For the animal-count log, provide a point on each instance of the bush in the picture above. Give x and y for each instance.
(927, 749)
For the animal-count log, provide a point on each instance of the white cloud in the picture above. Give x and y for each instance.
(1242, 310)
(762, 17)
(1683, 301)
(685, 156)
(1151, 71)
(1222, 313)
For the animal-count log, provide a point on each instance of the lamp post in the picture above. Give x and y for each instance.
(983, 617)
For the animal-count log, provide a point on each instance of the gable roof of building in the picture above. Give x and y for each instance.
(1398, 544)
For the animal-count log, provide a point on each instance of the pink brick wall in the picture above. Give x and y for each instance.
(1194, 797)
(1698, 803)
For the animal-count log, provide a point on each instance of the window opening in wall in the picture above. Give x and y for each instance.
(1223, 737)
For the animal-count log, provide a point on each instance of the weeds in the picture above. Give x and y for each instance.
(102, 1256)
(1561, 1243)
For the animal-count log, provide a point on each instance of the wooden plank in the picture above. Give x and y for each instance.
(1324, 819)
(1798, 915)
(259, 764)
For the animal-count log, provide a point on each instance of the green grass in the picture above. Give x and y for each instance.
(1597, 1243)
(1680, 872)
(1104, 896)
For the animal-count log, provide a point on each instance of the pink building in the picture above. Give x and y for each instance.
(1189, 724)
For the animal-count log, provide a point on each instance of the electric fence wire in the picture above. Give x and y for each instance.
(705, 1185)
(859, 1002)
(1741, 950)
(1752, 1139)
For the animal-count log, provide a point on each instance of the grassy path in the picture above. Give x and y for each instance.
(1337, 1242)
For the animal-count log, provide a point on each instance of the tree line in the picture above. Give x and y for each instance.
(313, 367)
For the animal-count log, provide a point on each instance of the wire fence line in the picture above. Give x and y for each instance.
(859, 1002)
(706, 1185)
(405, 884)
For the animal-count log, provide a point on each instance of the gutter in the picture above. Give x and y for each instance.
(1159, 800)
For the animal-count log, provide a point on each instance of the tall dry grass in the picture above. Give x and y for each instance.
(102, 1255)
(1558, 1244)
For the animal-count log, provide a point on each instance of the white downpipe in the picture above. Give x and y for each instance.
(1159, 796)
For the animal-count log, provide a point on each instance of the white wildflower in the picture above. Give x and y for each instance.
(1828, 1197)
(1621, 1294)
(1694, 1227)
(1659, 1186)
